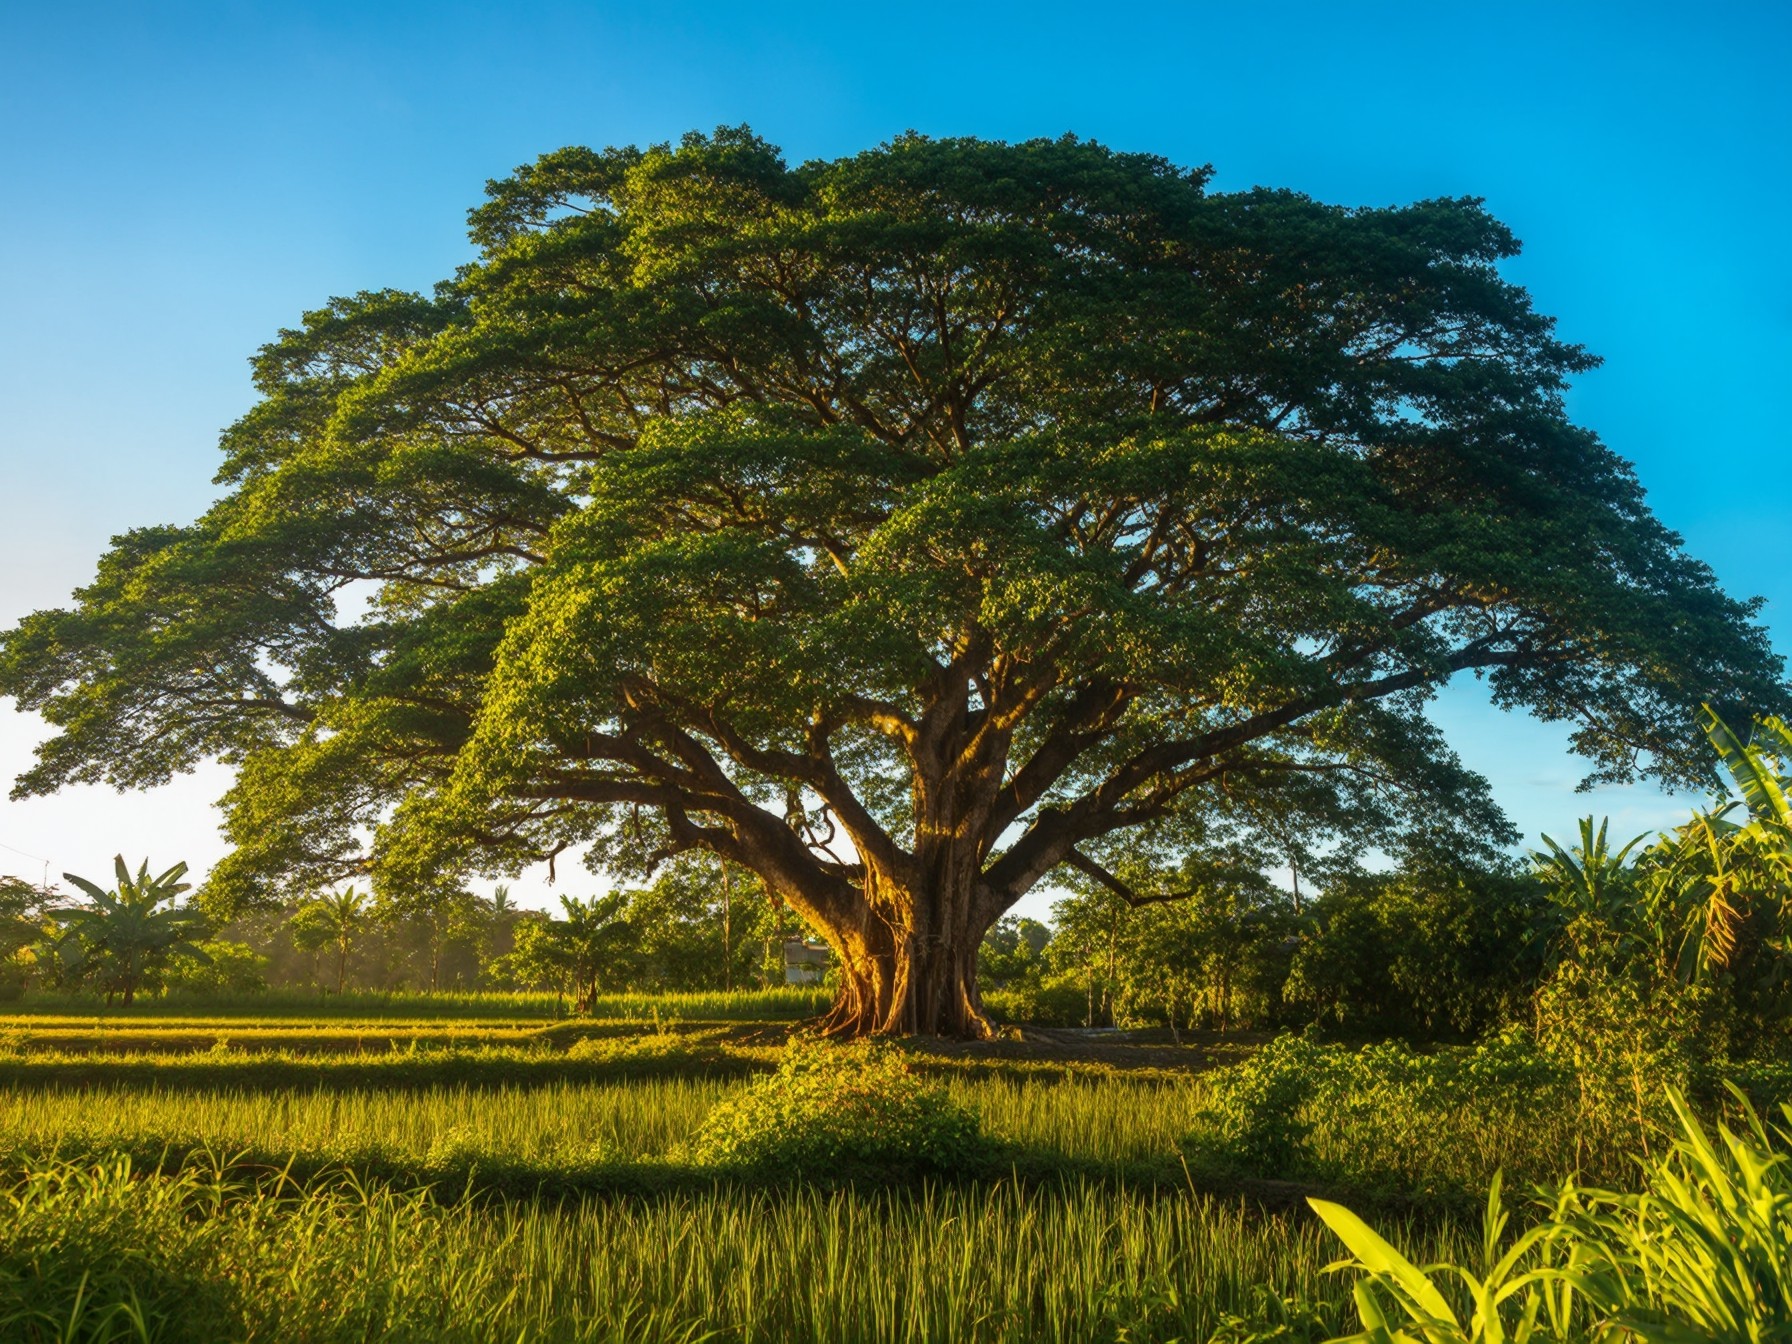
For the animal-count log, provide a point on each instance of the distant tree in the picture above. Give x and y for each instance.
(697, 927)
(906, 529)
(1437, 949)
(499, 914)
(1012, 952)
(596, 936)
(431, 922)
(336, 919)
(592, 944)
(1191, 954)
(229, 968)
(536, 960)
(121, 939)
(22, 923)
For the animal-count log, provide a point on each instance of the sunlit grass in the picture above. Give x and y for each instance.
(1101, 1122)
(782, 1003)
(195, 1257)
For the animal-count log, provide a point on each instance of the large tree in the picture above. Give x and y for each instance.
(902, 528)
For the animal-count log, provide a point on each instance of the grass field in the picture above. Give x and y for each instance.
(781, 1004)
(557, 1127)
(347, 1261)
(392, 1174)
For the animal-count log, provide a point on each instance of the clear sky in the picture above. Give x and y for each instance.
(178, 181)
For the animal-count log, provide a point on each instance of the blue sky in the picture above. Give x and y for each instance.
(179, 181)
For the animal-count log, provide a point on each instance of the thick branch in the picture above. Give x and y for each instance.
(1090, 868)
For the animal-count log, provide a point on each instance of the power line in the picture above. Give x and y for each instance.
(22, 853)
(35, 858)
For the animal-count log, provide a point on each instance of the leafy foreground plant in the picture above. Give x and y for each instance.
(1702, 1253)
(839, 1112)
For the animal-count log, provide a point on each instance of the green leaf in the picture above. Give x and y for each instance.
(1378, 1257)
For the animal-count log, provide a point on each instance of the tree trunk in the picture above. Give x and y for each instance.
(909, 967)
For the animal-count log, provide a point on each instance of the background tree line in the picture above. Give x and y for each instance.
(691, 928)
(1685, 936)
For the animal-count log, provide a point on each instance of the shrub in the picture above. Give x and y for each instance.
(840, 1112)
(1427, 1125)
(229, 969)
(625, 1049)
(1273, 1318)
(1624, 1046)
(1430, 952)
(1038, 1005)
(1253, 1120)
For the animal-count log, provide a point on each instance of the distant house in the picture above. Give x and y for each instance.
(805, 963)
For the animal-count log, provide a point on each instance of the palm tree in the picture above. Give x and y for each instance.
(499, 914)
(337, 917)
(592, 933)
(122, 936)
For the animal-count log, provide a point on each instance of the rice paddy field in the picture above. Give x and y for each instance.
(498, 1172)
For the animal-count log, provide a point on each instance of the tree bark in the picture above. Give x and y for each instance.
(908, 966)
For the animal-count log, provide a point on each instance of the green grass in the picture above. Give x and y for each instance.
(102, 1254)
(566, 1134)
(350, 1250)
(401, 1069)
(62, 1036)
(460, 1177)
(741, 1005)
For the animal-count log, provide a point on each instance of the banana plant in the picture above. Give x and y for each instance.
(121, 938)
(593, 934)
(1699, 888)
(1758, 768)
(1593, 888)
(1699, 1253)
(1755, 765)
(1746, 866)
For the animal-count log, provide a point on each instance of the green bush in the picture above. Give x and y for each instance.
(1254, 1120)
(834, 1112)
(230, 969)
(1624, 1043)
(652, 1048)
(1038, 1005)
(1389, 1119)
(1432, 951)
(1272, 1318)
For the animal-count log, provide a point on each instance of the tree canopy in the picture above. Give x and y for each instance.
(902, 528)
